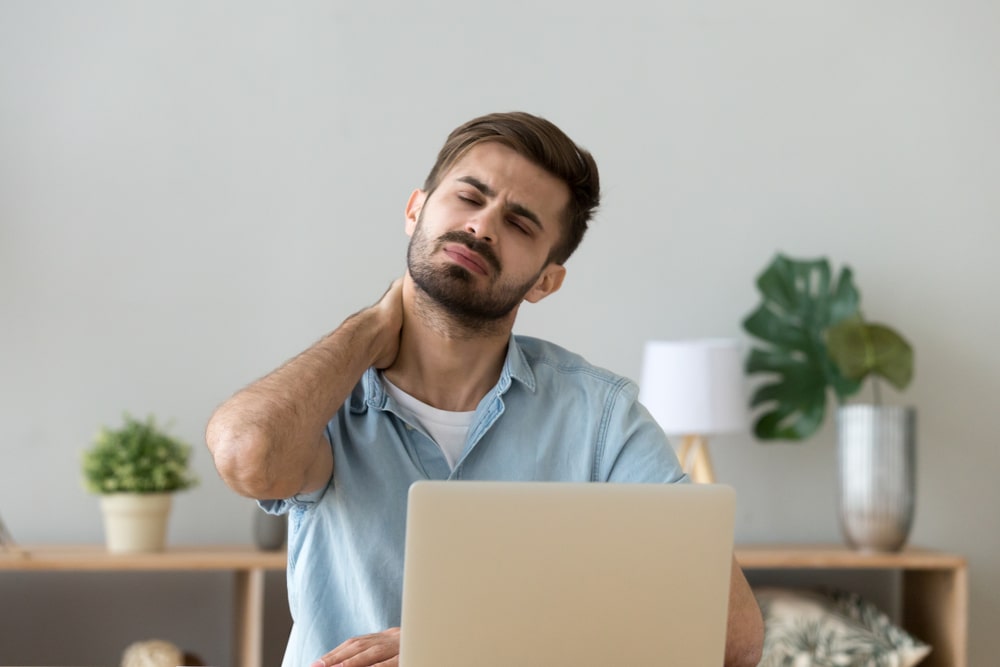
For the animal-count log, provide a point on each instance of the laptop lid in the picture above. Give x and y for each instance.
(556, 573)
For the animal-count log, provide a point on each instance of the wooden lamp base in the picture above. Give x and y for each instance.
(694, 458)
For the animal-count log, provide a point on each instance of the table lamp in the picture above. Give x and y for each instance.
(695, 389)
(7, 542)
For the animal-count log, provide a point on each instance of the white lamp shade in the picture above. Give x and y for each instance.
(694, 387)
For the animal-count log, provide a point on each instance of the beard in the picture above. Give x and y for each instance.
(453, 287)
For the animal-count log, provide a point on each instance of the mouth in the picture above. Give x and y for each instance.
(467, 258)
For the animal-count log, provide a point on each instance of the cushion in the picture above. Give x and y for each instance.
(806, 628)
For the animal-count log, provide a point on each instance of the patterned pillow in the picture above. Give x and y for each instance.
(831, 629)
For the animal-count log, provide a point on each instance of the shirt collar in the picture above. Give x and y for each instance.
(515, 367)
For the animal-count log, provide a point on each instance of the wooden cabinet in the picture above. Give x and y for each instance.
(246, 564)
(934, 585)
(935, 589)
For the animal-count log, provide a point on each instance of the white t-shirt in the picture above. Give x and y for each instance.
(448, 429)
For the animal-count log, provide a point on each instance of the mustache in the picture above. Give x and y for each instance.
(482, 248)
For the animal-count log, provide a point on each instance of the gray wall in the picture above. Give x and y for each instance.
(192, 192)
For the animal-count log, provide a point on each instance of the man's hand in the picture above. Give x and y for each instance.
(389, 310)
(377, 650)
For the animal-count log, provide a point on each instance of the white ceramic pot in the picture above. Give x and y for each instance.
(135, 522)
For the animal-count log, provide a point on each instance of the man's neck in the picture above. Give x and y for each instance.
(443, 363)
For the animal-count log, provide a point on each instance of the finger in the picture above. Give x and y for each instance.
(391, 662)
(394, 286)
(363, 651)
(369, 657)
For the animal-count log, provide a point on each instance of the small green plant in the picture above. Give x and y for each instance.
(139, 457)
(816, 341)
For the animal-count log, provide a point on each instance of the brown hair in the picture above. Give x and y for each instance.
(544, 144)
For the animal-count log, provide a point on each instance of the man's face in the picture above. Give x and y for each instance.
(480, 242)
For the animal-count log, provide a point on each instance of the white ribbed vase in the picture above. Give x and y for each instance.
(877, 461)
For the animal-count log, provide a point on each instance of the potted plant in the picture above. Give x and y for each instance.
(816, 343)
(135, 469)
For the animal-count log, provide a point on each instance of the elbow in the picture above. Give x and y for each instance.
(745, 627)
(747, 648)
(748, 656)
(240, 456)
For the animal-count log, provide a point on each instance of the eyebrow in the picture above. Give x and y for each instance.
(516, 208)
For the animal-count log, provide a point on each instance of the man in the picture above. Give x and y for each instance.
(429, 383)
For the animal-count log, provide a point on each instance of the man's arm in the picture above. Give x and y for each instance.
(268, 440)
(745, 627)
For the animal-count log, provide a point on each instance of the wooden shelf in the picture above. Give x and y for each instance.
(837, 558)
(97, 558)
(935, 588)
(934, 584)
(247, 565)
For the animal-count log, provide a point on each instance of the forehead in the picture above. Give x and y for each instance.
(513, 177)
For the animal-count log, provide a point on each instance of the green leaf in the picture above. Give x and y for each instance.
(138, 457)
(797, 307)
(772, 326)
(797, 397)
(846, 300)
(860, 348)
(784, 424)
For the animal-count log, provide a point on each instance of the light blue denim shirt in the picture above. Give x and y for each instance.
(551, 417)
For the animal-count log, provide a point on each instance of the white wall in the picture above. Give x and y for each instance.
(192, 192)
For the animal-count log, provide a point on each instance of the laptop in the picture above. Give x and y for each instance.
(558, 573)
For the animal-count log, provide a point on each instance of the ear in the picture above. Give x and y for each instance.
(413, 207)
(549, 282)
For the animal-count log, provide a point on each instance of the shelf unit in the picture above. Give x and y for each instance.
(935, 588)
(934, 584)
(247, 565)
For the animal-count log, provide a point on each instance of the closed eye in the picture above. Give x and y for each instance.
(521, 227)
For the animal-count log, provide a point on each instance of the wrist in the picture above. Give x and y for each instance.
(370, 337)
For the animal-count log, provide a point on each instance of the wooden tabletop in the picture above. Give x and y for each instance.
(96, 557)
(831, 556)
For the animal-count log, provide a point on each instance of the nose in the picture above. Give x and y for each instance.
(483, 224)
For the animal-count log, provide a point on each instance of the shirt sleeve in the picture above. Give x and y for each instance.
(636, 450)
(283, 505)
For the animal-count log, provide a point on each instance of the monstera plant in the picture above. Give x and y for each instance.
(814, 343)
